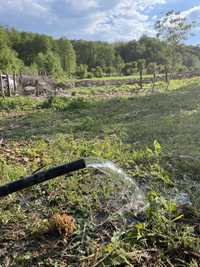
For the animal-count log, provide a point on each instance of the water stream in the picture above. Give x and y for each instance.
(128, 197)
(126, 194)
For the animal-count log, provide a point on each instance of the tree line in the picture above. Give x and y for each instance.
(32, 53)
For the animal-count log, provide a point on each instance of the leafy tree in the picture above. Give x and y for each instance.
(174, 29)
(118, 63)
(113, 59)
(9, 62)
(191, 61)
(96, 54)
(49, 63)
(30, 70)
(129, 51)
(3, 38)
(85, 52)
(67, 56)
(29, 45)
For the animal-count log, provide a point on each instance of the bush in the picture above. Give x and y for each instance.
(129, 68)
(90, 75)
(110, 71)
(19, 103)
(82, 71)
(98, 72)
(182, 68)
(62, 103)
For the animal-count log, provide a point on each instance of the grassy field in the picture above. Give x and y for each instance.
(154, 135)
(135, 76)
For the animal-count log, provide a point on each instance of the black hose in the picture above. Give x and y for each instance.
(41, 177)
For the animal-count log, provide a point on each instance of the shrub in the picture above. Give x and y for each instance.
(82, 71)
(90, 75)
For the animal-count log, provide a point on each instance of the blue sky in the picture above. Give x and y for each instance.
(106, 20)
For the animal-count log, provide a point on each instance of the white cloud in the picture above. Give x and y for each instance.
(82, 4)
(29, 11)
(126, 20)
(108, 20)
(192, 14)
(194, 11)
(30, 6)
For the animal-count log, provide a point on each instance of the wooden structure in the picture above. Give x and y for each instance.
(8, 84)
(36, 85)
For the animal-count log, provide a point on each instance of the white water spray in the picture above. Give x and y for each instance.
(130, 197)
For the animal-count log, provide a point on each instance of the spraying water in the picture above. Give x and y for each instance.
(126, 194)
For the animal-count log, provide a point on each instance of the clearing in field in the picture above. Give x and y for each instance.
(79, 220)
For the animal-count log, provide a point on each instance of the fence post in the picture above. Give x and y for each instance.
(37, 88)
(8, 84)
(14, 83)
(141, 79)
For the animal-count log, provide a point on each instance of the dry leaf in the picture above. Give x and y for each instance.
(64, 223)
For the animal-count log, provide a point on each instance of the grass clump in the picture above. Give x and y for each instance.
(19, 103)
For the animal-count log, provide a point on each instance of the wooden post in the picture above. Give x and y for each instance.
(154, 77)
(141, 77)
(166, 74)
(1, 85)
(20, 79)
(37, 88)
(8, 85)
(14, 83)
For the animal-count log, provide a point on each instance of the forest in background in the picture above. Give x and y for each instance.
(32, 53)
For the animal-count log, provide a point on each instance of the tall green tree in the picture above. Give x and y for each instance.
(3, 38)
(67, 56)
(112, 58)
(173, 28)
(118, 63)
(49, 63)
(9, 62)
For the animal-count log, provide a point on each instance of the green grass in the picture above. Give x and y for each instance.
(135, 76)
(123, 129)
(127, 90)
